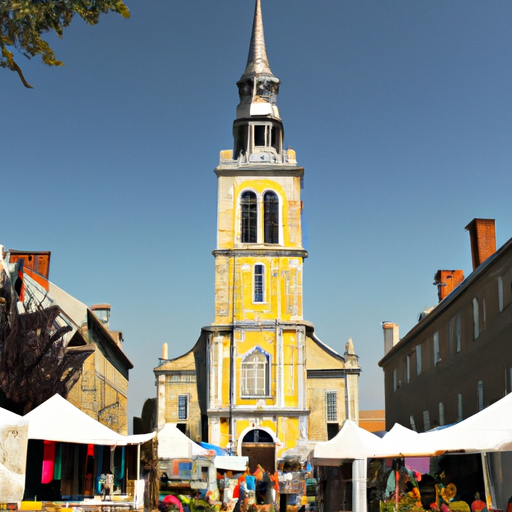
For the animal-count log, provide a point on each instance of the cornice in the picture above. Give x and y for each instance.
(259, 170)
(261, 251)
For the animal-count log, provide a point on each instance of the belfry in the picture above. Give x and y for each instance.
(258, 380)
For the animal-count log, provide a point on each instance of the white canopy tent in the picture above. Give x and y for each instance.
(60, 421)
(174, 444)
(488, 431)
(13, 456)
(237, 463)
(351, 444)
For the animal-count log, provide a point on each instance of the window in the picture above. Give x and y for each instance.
(255, 374)
(437, 357)
(476, 319)
(395, 381)
(500, 293)
(260, 135)
(259, 283)
(480, 394)
(182, 407)
(331, 406)
(408, 369)
(459, 407)
(271, 208)
(418, 359)
(426, 421)
(413, 423)
(249, 208)
(267, 135)
(441, 414)
(458, 331)
(451, 336)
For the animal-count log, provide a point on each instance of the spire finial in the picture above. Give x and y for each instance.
(258, 87)
(257, 62)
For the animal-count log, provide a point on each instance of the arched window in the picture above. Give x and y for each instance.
(271, 208)
(259, 283)
(249, 208)
(255, 374)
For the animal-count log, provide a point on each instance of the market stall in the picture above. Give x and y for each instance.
(488, 434)
(69, 452)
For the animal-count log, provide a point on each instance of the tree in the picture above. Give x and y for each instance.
(23, 22)
(36, 360)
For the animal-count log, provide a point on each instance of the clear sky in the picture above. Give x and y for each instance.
(399, 110)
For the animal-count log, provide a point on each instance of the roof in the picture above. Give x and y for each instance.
(72, 307)
(448, 301)
(351, 442)
(59, 420)
(10, 418)
(257, 61)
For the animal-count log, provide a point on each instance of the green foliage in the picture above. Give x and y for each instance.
(406, 504)
(23, 22)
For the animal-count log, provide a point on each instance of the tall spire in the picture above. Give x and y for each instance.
(258, 87)
(257, 62)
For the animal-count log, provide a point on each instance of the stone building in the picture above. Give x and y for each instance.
(101, 390)
(459, 350)
(258, 377)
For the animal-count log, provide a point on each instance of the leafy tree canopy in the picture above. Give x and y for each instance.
(23, 22)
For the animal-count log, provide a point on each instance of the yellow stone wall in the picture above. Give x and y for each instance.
(229, 190)
(102, 393)
(283, 290)
(179, 378)
(234, 272)
(317, 406)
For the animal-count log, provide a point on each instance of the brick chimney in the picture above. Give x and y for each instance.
(391, 335)
(446, 281)
(482, 234)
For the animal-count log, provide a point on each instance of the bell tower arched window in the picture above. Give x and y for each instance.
(249, 208)
(271, 218)
(255, 374)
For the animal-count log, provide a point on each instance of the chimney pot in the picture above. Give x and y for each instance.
(391, 335)
(446, 281)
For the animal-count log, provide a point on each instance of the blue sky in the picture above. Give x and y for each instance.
(400, 111)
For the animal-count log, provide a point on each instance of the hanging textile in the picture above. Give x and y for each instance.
(48, 462)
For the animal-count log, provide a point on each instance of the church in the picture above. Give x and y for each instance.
(258, 381)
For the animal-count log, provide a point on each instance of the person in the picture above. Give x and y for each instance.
(107, 486)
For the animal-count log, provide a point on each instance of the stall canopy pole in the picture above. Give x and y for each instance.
(137, 477)
(359, 485)
(490, 497)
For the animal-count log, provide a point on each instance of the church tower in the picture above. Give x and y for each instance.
(264, 380)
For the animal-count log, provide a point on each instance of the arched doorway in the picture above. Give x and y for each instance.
(259, 445)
